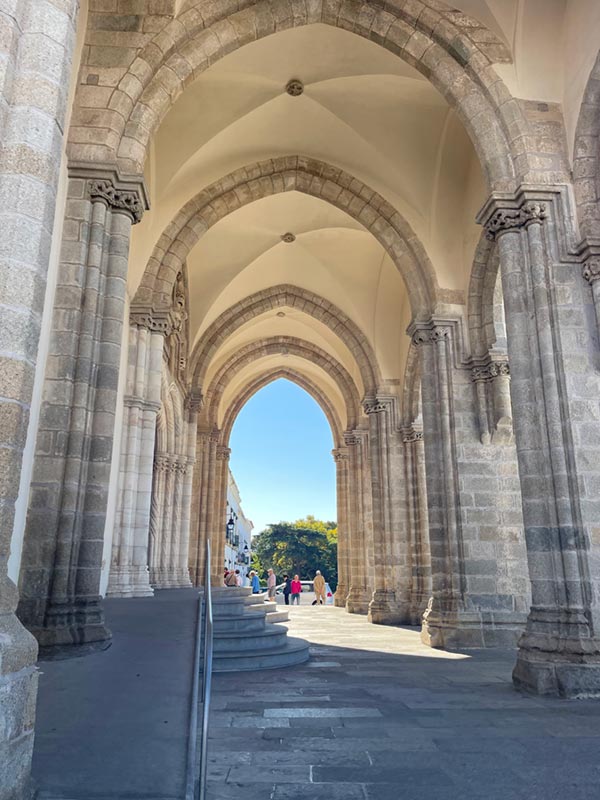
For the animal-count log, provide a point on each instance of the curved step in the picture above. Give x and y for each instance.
(240, 642)
(294, 652)
(243, 622)
(278, 616)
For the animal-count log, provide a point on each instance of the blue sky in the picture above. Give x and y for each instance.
(281, 457)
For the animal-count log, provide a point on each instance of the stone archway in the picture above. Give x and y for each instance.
(444, 47)
(350, 454)
(301, 380)
(292, 297)
(285, 174)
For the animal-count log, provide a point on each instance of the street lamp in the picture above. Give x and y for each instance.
(230, 527)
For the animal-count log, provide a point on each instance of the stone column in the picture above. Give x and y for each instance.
(183, 557)
(218, 514)
(479, 590)
(341, 458)
(62, 553)
(554, 360)
(204, 477)
(418, 526)
(591, 273)
(391, 596)
(129, 575)
(360, 523)
(36, 65)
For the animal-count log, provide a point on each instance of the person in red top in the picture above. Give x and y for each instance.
(296, 590)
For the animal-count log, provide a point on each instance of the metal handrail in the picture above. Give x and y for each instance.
(206, 675)
(196, 760)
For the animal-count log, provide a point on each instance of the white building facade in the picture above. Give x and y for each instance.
(238, 532)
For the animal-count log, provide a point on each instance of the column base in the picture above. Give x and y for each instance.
(557, 656)
(417, 607)
(340, 596)
(358, 599)
(18, 689)
(172, 579)
(449, 626)
(385, 609)
(72, 623)
(129, 582)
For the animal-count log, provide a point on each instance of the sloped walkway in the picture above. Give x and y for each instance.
(377, 716)
(114, 724)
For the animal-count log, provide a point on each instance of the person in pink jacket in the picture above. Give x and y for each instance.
(296, 590)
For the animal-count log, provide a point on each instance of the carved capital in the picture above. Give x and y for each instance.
(374, 407)
(340, 454)
(509, 219)
(125, 200)
(591, 270)
(223, 453)
(193, 401)
(411, 435)
(155, 321)
(489, 371)
(429, 335)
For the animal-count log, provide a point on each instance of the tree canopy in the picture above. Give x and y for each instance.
(299, 547)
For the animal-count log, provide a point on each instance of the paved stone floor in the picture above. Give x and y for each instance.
(377, 716)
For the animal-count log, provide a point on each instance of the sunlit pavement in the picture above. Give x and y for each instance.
(376, 715)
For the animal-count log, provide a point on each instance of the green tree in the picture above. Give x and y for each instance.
(300, 547)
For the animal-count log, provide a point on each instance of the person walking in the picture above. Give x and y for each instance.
(319, 587)
(271, 584)
(254, 583)
(296, 588)
(287, 589)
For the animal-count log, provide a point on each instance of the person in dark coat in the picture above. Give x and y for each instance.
(287, 589)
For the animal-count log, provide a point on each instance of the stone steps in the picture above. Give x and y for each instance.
(294, 652)
(242, 638)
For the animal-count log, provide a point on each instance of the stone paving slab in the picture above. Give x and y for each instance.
(436, 725)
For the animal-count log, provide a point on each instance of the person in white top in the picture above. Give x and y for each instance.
(238, 578)
(271, 584)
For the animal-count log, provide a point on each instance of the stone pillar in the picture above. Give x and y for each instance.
(192, 404)
(204, 477)
(479, 589)
(553, 353)
(492, 382)
(62, 553)
(342, 458)
(129, 575)
(36, 64)
(391, 596)
(360, 523)
(418, 525)
(218, 513)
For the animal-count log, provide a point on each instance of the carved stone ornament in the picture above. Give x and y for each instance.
(223, 453)
(340, 455)
(591, 270)
(351, 440)
(489, 371)
(508, 219)
(295, 87)
(429, 335)
(412, 436)
(117, 199)
(288, 238)
(158, 323)
(374, 407)
(193, 401)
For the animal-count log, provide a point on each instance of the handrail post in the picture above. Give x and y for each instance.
(206, 674)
